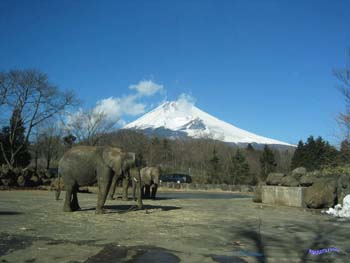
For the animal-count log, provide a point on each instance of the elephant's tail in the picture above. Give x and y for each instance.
(58, 188)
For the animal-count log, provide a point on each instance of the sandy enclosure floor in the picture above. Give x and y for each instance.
(33, 228)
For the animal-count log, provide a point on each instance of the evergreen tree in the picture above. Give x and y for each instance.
(14, 142)
(154, 152)
(250, 148)
(344, 153)
(240, 168)
(314, 154)
(4, 140)
(267, 162)
(166, 151)
(214, 168)
(139, 160)
(299, 155)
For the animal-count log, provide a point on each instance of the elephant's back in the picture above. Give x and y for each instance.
(145, 171)
(150, 171)
(79, 165)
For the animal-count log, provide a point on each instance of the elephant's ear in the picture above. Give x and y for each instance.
(112, 157)
(128, 160)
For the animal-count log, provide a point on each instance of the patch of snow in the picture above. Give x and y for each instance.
(339, 210)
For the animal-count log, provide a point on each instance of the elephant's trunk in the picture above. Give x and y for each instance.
(58, 188)
(139, 192)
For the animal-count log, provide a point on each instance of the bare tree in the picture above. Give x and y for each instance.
(48, 145)
(35, 100)
(89, 126)
(343, 118)
(4, 88)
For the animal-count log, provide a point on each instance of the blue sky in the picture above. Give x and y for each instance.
(264, 66)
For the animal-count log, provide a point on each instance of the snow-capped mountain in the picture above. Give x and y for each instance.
(185, 119)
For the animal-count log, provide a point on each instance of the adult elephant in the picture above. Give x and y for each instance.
(149, 181)
(84, 165)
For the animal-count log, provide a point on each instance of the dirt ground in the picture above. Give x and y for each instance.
(33, 228)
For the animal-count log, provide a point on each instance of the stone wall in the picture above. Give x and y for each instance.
(208, 187)
(281, 195)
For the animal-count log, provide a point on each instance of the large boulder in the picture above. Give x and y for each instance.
(35, 180)
(275, 178)
(8, 177)
(23, 181)
(322, 194)
(343, 187)
(298, 172)
(10, 181)
(289, 180)
(308, 179)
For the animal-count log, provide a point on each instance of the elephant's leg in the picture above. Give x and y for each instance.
(67, 202)
(125, 189)
(147, 191)
(75, 203)
(143, 191)
(104, 183)
(134, 185)
(113, 187)
(139, 194)
(154, 188)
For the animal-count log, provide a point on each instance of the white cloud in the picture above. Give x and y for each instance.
(147, 88)
(115, 108)
(130, 105)
(185, 102)
(122, 123)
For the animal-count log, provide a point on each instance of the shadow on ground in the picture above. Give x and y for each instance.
(146, 254)
(9, 213)
(128, 208)
(114, 253)
(319, 240)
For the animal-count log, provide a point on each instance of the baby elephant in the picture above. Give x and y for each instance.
(149, 181)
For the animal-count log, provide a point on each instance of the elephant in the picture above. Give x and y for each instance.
(133, 176)
(84, 165)
(125, 180)
(149, 181)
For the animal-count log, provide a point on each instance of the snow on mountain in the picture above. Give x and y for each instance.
(188, 119)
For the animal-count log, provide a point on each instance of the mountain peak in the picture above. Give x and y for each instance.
(184, 117)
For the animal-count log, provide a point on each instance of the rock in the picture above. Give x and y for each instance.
(289, 180)
(322, 194)
(224, 187)
(46, 181)
(298, 172)
(8, 177)
(22, 181)
(4, 170)
(235, 188)
(275, 178)
(343, 187)
(8, 181)
(308, 179)
(35, 180)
